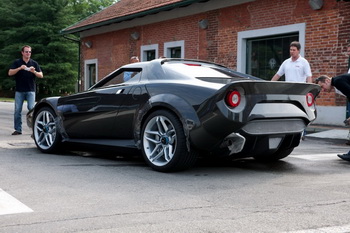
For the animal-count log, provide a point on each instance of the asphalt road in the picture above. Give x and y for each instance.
(112, 192)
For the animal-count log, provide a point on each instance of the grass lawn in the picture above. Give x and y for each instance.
(3, 99)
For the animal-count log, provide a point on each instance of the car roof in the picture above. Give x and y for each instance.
(171, 60)
(154, 67)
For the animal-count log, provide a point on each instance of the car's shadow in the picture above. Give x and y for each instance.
(131, 157)
(246, 164)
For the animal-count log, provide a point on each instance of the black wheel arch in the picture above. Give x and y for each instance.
(46, 102)
(51, 103)
(183, 156)
(174, 104)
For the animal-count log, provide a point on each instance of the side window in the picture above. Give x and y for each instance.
(126, 76)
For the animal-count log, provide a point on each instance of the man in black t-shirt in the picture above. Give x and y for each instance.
(341, 85)
(25, 70)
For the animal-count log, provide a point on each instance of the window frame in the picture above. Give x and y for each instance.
(87, 72)
(243, 36)
(169, 45)
(146, 48)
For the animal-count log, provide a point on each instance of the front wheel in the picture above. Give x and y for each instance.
(45, 131)
(164, 145)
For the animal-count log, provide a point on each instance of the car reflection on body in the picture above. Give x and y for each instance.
(174, 110)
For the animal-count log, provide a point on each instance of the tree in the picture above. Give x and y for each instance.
(38, 23)
(85, 8)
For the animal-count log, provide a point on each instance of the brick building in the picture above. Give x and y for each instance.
(250, 36)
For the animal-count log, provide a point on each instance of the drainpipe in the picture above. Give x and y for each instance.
(76, 41)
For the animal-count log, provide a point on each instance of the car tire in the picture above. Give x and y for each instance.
(45, 132)
(163, 143)
(280, 154)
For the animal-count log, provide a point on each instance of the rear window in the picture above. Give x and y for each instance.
(205, 73)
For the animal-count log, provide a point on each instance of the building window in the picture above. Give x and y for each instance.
(90, 76)
(266, 54)
(262, 42)
(175, 49)
(149, 52)
(175, 52)
(150, 55)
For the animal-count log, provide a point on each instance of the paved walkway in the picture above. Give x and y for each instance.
(327, 132)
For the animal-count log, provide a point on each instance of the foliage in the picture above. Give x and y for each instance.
(85, 8)
(38, 23)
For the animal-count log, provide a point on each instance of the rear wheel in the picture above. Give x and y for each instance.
(164, 145)
(45, 131)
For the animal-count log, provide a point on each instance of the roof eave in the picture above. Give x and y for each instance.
(132, 16)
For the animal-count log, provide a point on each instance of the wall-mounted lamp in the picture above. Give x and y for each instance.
(88, 44)
(316, 4)
(203, 24)
(135, 35)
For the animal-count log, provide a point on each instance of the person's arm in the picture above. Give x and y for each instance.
(280, 72)
(308, 72)
(36, 73)
(276, 77)
(309, 79)
(14, 71)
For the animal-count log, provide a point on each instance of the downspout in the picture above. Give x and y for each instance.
(76, 41)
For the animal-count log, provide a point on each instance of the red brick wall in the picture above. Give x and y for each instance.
(327, 35)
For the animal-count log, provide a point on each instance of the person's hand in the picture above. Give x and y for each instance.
(23, 67)
(32, 69)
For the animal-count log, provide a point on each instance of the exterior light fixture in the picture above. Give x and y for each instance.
(135, 35)
(88, 44)
(203, 24)
(316, 4)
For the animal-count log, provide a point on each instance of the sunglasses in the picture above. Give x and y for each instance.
(27, 51)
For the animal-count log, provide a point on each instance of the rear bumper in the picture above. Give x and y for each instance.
(264, 145)
(264, 136)
(274, 126)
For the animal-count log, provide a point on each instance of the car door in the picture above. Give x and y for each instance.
(129, 111)
(92, 114)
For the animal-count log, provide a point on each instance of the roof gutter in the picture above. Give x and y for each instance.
(132, 16)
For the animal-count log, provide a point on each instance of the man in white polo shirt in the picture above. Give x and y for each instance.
(296, 68)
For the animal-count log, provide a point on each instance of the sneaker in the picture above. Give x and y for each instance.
(344, 156)
(16, 133)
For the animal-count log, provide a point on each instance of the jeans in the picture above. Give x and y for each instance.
(19, 99)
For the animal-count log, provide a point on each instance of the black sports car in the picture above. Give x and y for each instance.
(175, 109)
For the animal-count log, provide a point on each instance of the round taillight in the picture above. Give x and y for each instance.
(309, 99)
(233, 98)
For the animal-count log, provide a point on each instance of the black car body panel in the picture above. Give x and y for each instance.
(270, 115)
